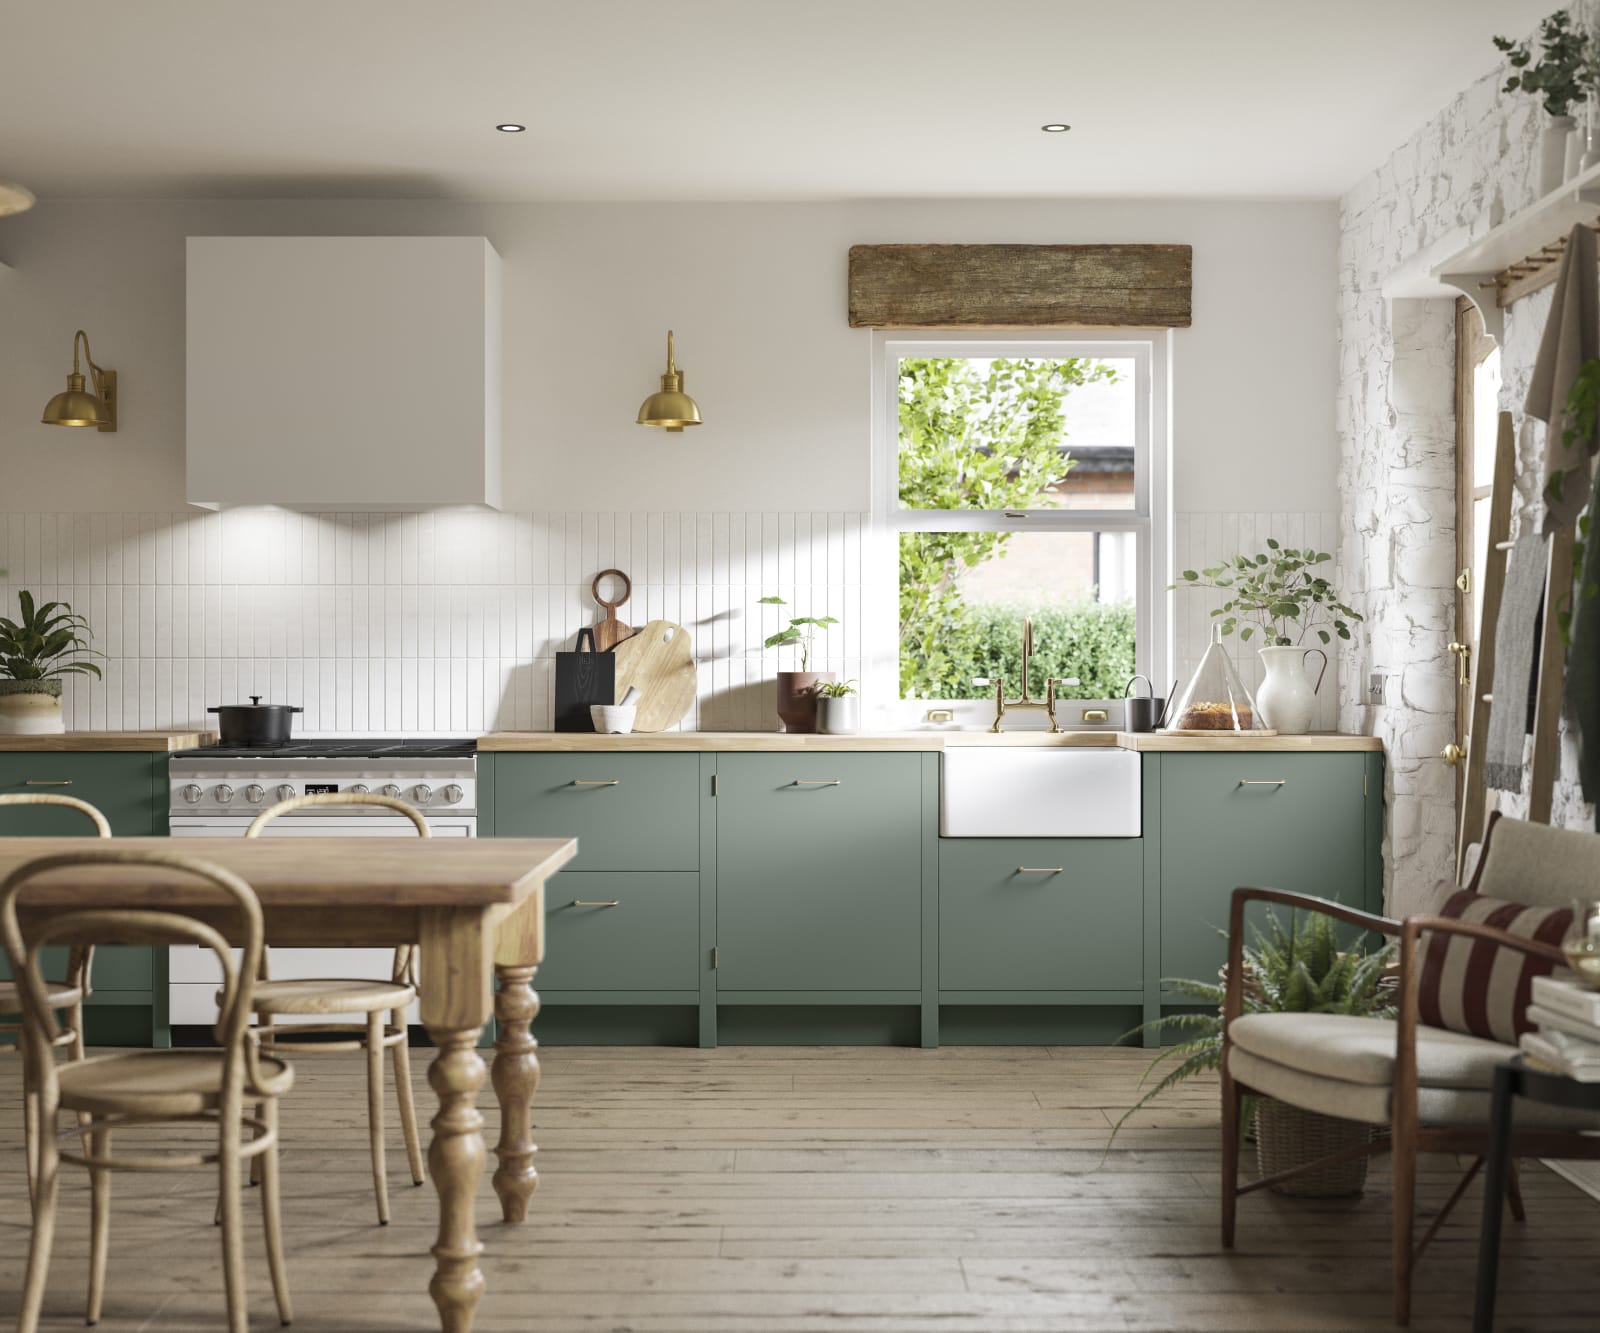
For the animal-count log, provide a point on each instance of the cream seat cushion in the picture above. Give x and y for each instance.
(1343, 1066)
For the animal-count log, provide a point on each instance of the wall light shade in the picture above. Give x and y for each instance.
(79, 407)
(670, 408)
(15, 199)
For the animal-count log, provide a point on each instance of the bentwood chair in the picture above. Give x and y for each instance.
(320, 997)
(67, 996)
(1429, 1084)
(151, 1089)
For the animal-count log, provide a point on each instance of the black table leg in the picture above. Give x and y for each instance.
(1494, 1196)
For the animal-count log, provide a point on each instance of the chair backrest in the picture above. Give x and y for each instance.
(404, 968)
(1534, 863)
(143, 926)
(101, 827)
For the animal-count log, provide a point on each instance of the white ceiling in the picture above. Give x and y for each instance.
(727, 99)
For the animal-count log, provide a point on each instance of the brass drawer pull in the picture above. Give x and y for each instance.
(1095, 715)
(595, 782)
(1263, 782)
(579, 902)
(817, 782)
(1039, 870)
(47, 782)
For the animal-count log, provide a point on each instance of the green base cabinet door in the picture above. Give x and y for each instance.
(1026, 914)
(819, 872)
(621, 932)
(1281, 821)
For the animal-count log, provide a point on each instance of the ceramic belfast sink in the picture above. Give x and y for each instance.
(992, 792)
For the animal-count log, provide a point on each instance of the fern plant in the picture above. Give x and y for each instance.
(1296, 969)
(49, 642)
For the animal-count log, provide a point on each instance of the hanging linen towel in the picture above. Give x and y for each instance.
(1582, 694)
(1571, 337)
(1515, 644)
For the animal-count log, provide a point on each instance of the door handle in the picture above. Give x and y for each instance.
(47, 782)
(613, 902)
(1039, 870)
(596, 782)
(1453, 754)
(818, 782)
(1263, 782)
(1463, 652)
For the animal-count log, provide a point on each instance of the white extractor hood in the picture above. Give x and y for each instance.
(343, 372)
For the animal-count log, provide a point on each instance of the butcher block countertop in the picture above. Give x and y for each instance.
(504, 742)
(92, 742)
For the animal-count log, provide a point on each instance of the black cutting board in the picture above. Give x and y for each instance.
(583, 678)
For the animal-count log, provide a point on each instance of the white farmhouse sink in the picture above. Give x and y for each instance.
(994, 792)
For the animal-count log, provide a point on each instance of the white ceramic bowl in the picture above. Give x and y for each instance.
(613, 719)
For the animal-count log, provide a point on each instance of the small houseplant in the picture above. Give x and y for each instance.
(1278, 595)
(37, 652)
(1295, 969)
(1562, 76)
(838, 708)
(797, 698)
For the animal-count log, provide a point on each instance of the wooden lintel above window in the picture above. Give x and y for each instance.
(1020, 286)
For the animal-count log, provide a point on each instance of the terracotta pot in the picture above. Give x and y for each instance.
(797, 705)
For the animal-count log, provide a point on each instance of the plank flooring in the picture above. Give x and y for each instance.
(965, 1190)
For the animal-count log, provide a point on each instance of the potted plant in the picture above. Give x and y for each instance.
(1278, 594)
(797, 698)
(838, 708)
(1298, 969)
(36, 653)
(1562, 77)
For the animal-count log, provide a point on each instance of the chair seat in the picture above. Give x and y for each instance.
(1344, 1066)
(61, 996)
(331, 995)
(159, 1083)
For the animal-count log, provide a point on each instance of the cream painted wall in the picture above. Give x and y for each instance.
(757, 296)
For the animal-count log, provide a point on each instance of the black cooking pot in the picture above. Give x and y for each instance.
(254, 723)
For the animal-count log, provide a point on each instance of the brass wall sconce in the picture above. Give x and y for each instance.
(671, 408)
(77, 406)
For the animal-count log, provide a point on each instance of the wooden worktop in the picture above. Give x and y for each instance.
(692, 741)
(145, 742)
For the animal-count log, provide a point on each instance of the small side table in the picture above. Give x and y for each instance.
(1512, 1080)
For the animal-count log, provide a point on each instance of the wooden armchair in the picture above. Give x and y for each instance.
(1430, 1086)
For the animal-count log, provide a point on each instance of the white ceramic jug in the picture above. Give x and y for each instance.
(1287, 698)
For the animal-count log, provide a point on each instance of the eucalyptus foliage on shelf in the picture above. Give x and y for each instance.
(1567, 70)
(1276, 591)
(800, 629)
(46, 644)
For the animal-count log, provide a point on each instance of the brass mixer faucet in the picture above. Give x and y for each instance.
(1047, 704)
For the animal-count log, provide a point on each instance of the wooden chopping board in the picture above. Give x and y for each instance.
(658, 659)
(608, 630)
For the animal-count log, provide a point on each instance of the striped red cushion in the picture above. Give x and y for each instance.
(1474, 986)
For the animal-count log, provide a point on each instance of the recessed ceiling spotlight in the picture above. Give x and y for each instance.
(511, 128)
(1055, 127)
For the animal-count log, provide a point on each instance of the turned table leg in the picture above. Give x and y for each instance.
(455, 1160)
(516, 1079)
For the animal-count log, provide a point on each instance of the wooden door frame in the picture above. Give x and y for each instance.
(1473, 346)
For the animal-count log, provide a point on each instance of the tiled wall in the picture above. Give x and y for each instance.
(441, 622)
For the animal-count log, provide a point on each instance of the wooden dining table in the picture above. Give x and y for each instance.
(476, 908)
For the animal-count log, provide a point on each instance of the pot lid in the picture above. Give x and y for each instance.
(255, 705)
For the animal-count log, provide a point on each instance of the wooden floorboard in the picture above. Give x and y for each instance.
(966, 1190)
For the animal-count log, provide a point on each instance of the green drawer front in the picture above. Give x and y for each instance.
(648, 820)
(120, 786)
(649, 941)
(1007, 923)
(1306, 836)
(819, 887)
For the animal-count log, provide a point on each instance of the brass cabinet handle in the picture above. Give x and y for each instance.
(47, 782)
(1095, 715)
(596, 782)
(1452, 754)
(817, 782)
(1463, 652)
(1040, 870)
(1263, 782)
(580, 902)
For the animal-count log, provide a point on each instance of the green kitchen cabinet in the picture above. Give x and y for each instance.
(1041, 914)
(636, 931)
(819, 872)
(1303, 822)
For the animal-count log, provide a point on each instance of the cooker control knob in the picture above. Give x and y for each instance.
(389, 789)
(192, 794)
(253, 793)
(223, 792)
(285, 791)
(360, 788)
(453, 793)
(422, 793)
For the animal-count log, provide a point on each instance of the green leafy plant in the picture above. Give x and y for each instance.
(1298, 969)
(46, 644)
(1276, 592)
(1583, 422)
(834, 689)
(800, 629)
(1566, 69)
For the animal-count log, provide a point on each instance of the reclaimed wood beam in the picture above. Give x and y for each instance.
(1020, 286)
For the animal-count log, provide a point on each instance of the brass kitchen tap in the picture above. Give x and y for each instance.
(1047, 704)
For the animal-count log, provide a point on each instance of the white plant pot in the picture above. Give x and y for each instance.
(1287, 699)
(839, 717)
(31, 712)
(1553, 154)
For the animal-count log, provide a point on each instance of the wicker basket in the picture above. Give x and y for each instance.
(1287, 1136)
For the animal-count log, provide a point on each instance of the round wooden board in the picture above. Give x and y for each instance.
(1219, 733)
(658, 658)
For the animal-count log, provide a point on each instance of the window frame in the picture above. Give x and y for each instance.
(1150, 518)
